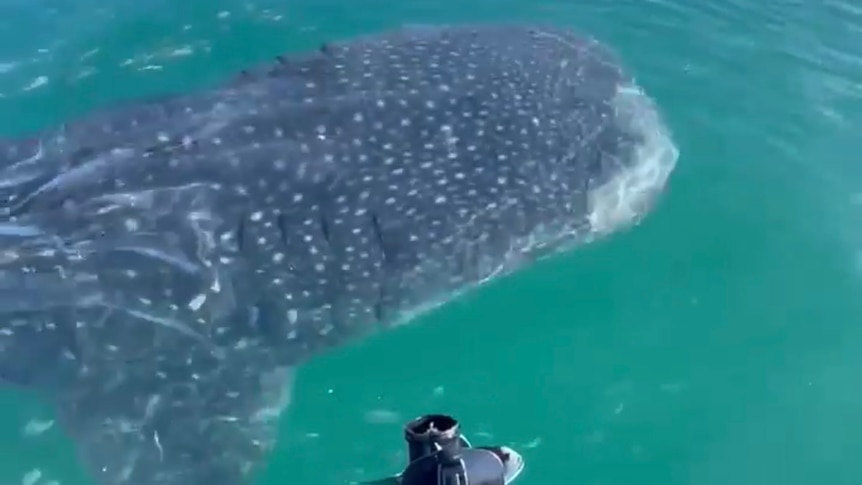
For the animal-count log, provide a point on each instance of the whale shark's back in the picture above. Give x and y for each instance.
(450, 152)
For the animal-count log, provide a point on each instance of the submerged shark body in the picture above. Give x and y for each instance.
(164, 266)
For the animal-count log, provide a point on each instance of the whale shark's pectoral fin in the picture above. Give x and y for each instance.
(202, 423)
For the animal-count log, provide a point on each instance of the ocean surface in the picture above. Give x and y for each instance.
(717, 343)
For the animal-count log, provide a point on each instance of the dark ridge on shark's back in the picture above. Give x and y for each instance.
(165, 265)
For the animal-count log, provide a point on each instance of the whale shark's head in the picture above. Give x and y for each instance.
(619, 153)
(628, 175)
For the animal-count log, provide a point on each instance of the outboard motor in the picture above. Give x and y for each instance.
(439, 455)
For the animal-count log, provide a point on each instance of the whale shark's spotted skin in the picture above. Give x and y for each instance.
(164, 265)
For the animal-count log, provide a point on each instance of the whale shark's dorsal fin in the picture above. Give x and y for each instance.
(282, 64)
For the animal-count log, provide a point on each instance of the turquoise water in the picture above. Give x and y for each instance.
(715, 344)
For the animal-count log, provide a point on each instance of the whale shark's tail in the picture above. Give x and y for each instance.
(148, 398)
(37, 339)
(113, 310)
(34, 274)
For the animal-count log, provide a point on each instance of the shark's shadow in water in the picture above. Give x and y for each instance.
(165, 265)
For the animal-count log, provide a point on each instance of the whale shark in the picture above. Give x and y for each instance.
(167, 263)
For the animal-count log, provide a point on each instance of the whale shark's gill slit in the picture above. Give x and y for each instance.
(281, 223)
(468, 259)
(324, 228)
(378, 236)
(461, 260)
(240, 234)
(378, 308)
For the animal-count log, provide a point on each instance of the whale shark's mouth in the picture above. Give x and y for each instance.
(631, 193)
